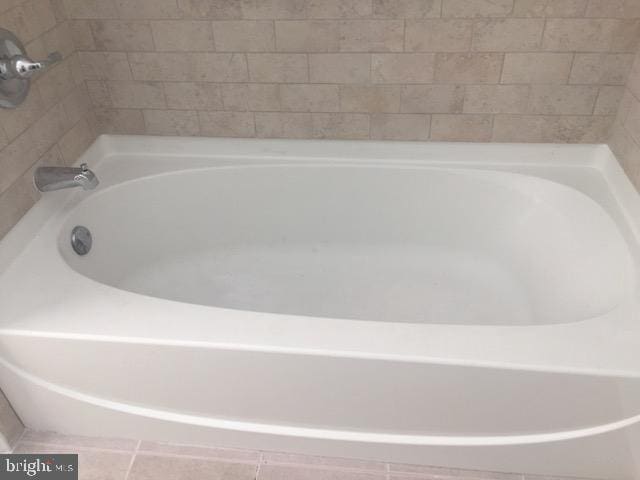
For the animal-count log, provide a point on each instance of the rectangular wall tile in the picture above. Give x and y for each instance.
(16, 121)
(551, 129)
(477, 8)
(511, 34)
(182, 36)
(497, 98)
(284, 125)
(275, 9)
(468, 67)
(334, 9)
(632, 121)
(105, 65)
(161, 66)
(438, 35)
(432, 99)
(402, 68)
(536, 68)
(407, 8)
(461, 128)
(601, 69)
(613, 9)
(76, 141)
(257, 97)
(550, 8)
(562, 99)
(371, 35)
(81, 34)
(193, 96)
(136, 94)
(227, 124)
(310, 98)
(48, 129)
(370, 98)
(400, 126)
(91, 8)
(278, 67)
(148, 9)
(55, 83)
(121, 35)
(171, 122)
(307, 36)
(608, 100)
(98, 93)
(211, 10)
(76, 104)
(218, 67)
(244, 36)
(345, 126)
(591, 35)
(340, 68)
(633, 82)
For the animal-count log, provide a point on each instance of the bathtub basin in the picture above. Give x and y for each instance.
(458, 305)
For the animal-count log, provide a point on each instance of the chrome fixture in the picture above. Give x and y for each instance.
(16, 69)
(81, 240)
(47, 179)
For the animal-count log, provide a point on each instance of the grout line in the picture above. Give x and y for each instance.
(329, 467)
(213, 35)
(305, 112)
(133, 457)
(148, 453)
(76, 447)
(20, 437)
(573, 61)
(259, 465)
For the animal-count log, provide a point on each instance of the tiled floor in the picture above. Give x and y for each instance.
(121, 459)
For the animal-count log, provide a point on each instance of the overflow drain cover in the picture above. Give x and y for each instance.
(81, 240)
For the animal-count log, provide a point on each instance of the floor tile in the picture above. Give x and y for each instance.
(153, 467)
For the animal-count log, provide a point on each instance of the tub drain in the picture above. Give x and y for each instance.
(81, 240)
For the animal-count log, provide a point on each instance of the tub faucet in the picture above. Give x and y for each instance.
(47, 179)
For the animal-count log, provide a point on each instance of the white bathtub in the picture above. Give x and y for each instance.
(460, 305)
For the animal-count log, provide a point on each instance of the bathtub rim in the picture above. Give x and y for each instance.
(596, 158)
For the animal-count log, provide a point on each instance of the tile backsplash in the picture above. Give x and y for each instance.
(625, 135)
(459, 70)
(443, 70)
(52, 126)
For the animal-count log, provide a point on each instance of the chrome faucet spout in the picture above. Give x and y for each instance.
(47, 179)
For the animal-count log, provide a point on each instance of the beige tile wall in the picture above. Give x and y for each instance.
(53, 125)
(625, 135)
(445, 70)
(480, 70)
